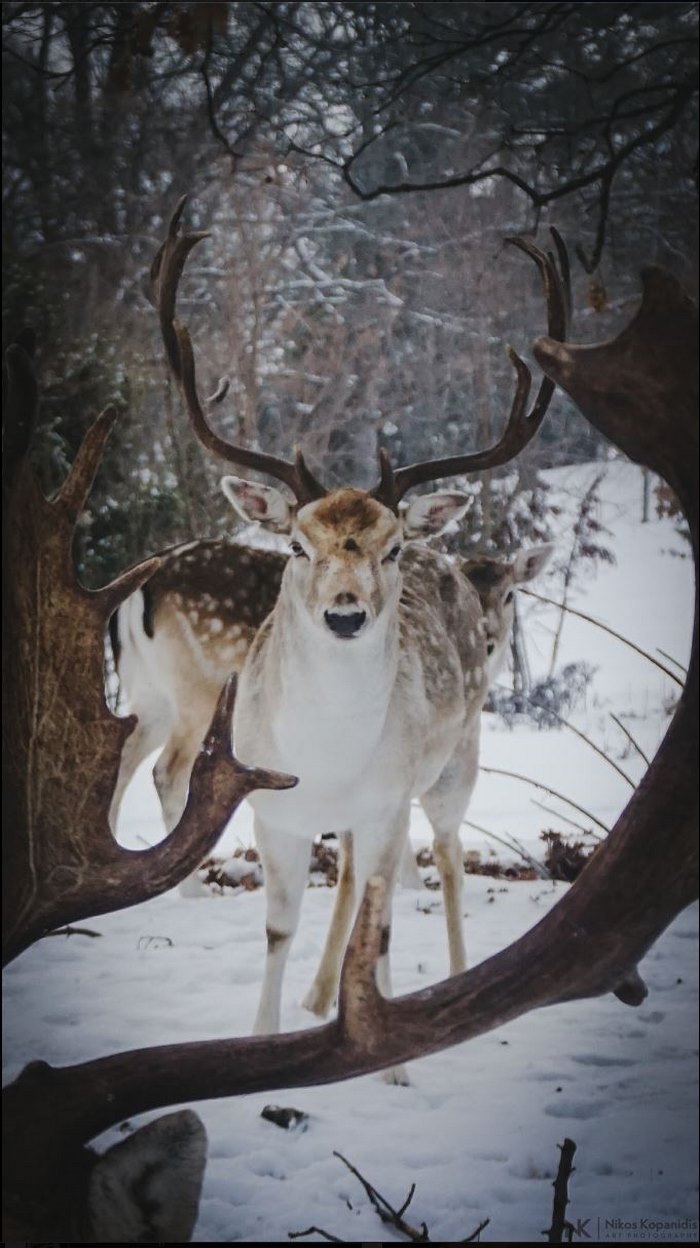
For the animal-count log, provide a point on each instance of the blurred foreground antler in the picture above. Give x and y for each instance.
(61, 754)
(61, 746)
(641, 391)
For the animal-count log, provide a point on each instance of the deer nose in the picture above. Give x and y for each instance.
(345, 600)
(490, 647)
(345, 623)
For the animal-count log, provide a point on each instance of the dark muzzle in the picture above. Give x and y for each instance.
(345, 624)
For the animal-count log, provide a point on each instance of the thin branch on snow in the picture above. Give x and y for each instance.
(546, 788)
(606, 629)
(559, 815)
(565, 723)
(315, 1230)
(630, 738)
(515, 847)
(387, 1213)
(671, 659)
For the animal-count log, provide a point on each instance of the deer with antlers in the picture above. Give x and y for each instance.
(62, 864)
(367, 677)
(177, 639)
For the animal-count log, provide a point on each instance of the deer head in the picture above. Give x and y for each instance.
(343, 576)
(496, 581)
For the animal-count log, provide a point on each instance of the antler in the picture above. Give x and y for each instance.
(61, 746)
(166, 271)
(521, 427)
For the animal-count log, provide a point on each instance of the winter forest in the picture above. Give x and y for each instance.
(359, 169)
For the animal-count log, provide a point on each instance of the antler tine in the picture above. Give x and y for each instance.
(521, 427)
(165, 274)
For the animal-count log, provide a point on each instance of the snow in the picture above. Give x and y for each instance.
(478, 1129)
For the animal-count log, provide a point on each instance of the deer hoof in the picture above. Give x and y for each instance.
(317, 1001)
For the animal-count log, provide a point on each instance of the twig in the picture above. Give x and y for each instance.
(386, 1211)
(672, 660)
(514, 846)
(475, 1234)
(559, 815)
(606, 629)
(546, 788)
(315, 1230)
(565, 723)
(560, 1226)
(73, 931)
(630, 738)
(569, 570)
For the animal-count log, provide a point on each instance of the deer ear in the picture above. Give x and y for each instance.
(431, 513)
(529, 563)
(261, 503)
(146, 1189)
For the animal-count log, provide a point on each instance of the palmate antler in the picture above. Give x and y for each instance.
(61, 746)
(641, 391)
(521, 427)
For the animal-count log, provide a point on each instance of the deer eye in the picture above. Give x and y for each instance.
(393, 554)
(298, 550)
(508, 598)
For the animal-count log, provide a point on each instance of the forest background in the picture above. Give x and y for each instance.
(359, 166)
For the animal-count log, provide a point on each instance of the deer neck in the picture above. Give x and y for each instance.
(331, 688)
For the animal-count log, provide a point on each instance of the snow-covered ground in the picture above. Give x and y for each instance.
(477, 1131)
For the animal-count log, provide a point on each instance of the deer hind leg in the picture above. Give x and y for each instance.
(285, 861)
(171, 776)
(445, 804)
(149, 734)
(323, 991)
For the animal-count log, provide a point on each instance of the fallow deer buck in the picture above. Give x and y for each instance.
(62, 864)
(367, 678)
(177, 639)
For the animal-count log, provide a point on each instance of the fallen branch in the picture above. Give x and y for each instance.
(471, 1239)
(606, 629)
(315, 1230)
(560, 1226)
(387, 1213)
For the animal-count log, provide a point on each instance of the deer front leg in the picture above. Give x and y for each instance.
(322, 992)
(285, 862)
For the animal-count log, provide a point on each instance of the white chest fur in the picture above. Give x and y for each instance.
(326, 720)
